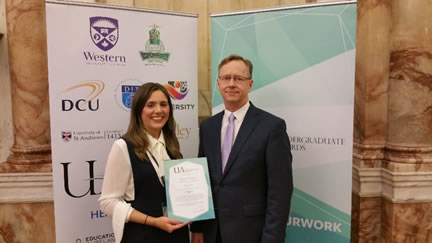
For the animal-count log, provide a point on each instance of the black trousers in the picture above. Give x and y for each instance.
(218, 236)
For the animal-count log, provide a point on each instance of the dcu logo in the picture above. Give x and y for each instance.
(90, 102)
(104, 32)
(177, 89)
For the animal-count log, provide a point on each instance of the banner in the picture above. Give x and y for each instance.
(303, 72)
(98, 55)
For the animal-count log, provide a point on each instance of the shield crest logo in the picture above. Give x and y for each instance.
(128, 92)
(104, 32)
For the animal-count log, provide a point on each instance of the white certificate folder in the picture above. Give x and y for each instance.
(188, 191)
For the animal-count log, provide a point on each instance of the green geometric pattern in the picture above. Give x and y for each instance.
(333, 225)
(283, 42)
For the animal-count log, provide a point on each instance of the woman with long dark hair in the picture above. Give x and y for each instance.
(133, 192)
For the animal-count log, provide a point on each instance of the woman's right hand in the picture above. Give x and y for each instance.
(165, 223)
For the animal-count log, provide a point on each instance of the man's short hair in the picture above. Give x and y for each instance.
(235, 57)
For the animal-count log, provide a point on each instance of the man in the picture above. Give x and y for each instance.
(252, 189)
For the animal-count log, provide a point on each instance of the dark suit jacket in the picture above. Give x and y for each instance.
(252, 197)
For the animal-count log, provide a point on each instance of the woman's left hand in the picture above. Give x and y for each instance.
(165, 223)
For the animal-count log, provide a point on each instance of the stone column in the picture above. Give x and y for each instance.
(26, 198)
(370, 117)
(31, 151)
(407, 169)
(392, 169)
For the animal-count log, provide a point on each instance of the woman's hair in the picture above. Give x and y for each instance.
(136, 133)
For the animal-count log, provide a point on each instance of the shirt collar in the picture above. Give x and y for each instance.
(239, 114)
(153, 141)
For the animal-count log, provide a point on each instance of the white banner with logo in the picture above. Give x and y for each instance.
(98, 55)
(303, 72)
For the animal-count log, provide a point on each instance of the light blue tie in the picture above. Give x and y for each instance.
(228, 141)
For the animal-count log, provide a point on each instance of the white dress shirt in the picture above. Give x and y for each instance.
(239, 117)
(118, 185)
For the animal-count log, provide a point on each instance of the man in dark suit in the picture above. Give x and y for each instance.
(249, 159)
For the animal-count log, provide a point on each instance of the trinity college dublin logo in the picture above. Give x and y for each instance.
(104, 32)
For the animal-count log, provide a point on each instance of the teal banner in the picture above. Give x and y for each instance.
(303, 72)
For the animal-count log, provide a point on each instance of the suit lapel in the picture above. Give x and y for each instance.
(248, 125)
(215, 137)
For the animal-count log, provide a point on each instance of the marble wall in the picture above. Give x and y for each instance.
(26, 198)
(27, 222)
(406, 222)
(26, 38)
(392, 158)
(408, 216)
(6, 126)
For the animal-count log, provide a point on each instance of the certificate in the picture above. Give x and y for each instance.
(188, 191)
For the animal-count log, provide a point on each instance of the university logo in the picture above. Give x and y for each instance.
(91, 180)
(128, 92)
(154, 48)
(125, 92)
(177, 89)
(104, 32)
(82, 104)
(66, 136)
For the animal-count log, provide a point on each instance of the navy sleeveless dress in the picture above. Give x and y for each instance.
(149, 198)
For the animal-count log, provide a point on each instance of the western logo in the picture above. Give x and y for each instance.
(177, 89)
(66, 136)
(89, 103)
(125, 92)
(104, 32)
(154, 49)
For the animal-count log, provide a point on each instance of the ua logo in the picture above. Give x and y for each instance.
(91, 180)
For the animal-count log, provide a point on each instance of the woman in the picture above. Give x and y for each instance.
(133, 191)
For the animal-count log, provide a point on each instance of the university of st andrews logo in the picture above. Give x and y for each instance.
(177, 89)
(66, 136)
(154, 48)
(104, 32)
